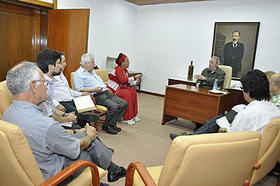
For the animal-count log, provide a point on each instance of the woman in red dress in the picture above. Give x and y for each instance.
(118, 84)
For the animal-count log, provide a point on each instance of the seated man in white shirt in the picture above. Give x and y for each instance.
(49, 61)
(86, 80)
(256, 115)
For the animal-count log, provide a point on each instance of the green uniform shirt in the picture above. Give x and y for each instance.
(276, 100)
(218, 74)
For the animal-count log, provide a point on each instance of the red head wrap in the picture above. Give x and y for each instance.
(119, 62)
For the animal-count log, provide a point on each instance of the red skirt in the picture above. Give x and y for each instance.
(130, 96)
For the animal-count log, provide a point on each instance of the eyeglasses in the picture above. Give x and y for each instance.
(45, 82)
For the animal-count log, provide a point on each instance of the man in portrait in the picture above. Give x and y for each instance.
(233, 53)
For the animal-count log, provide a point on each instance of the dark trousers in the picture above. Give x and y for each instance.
(116, 107)
(96, 153)
(209, 127)
(82, 118)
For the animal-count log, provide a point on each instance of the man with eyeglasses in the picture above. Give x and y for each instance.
(54, 148)
(65, 95)
(50, 62)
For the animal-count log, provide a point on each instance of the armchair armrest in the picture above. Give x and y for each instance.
(142, 171)
(65, 173)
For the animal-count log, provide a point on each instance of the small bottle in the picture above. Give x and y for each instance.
(215, 85)
(190, 71)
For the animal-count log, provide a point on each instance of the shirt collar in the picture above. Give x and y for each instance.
(26, 104)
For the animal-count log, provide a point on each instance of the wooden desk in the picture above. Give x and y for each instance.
(236, 95)
(192, 103)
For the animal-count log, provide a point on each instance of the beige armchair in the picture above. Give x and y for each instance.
(228, 76)
(269, 152)
(103, 74)
(5, 98)
(207, 159)
(19, 167)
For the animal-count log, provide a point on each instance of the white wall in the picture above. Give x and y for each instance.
(162, 39)
(173, 34)
(111, 28)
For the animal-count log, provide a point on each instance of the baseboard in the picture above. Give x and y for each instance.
(152, 93)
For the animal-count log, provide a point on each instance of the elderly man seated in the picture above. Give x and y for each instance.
(86, 80)
(253, 117)
(208, 75)
(54, 148)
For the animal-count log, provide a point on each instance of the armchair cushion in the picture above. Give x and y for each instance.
(5, 97)
(154, 172)
(103, 74)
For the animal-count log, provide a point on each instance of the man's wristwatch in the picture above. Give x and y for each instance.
(74, 131)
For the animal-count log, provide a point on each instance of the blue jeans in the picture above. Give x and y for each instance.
(209, 127)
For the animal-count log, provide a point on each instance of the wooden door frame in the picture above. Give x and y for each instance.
(41, 3)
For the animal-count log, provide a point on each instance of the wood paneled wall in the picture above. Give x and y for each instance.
(68, 32)
(21, 37)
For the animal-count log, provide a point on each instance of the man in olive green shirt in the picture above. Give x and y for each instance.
(208, 75)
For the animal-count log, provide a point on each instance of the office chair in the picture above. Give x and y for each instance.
(228, 75)
(206, 159)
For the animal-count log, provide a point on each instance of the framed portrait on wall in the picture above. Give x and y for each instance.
(235, 43)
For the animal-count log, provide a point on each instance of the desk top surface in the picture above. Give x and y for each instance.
(194, 89)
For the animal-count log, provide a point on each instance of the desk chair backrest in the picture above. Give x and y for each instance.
(210, 159)
(5, 98)
(269, 151)
(228, 75)
(17, 163)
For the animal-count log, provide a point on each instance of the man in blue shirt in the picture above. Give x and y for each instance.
(53, 147)
(86, 80)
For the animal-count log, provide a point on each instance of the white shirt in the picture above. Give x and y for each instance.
(255, 117)
(61, 89)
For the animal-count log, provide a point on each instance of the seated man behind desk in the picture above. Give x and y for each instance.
(256, 115)
(86, 80)
(54, 148)
(209, 74)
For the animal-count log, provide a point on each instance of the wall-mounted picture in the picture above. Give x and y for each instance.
(235, 43)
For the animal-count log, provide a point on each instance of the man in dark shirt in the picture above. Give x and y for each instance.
(208, 75)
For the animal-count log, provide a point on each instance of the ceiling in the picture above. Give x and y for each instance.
(152, 2)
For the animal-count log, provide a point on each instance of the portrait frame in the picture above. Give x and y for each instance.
(240, 56)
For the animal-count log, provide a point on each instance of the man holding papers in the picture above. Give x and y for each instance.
(255, 116)
(86, 80)
(51, 63)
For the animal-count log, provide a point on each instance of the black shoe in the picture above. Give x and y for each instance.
(172, 136)
(114, 176)
(109, 130)
(116, 128)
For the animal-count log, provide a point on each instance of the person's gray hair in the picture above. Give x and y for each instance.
(19, 77)
(217, 59)
(277, 81)
(86, 58)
